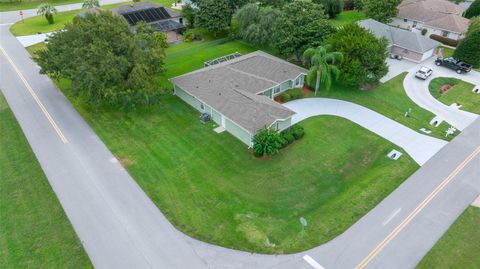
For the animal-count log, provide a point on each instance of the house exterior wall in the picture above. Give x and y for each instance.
(238, 132)
(428, 54)
(289, 84)
(399, 22)
(283, 124)
(192, 101)
(407, 54)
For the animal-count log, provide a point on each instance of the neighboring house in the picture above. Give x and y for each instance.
(440, 17)
(159, 18)
(238, 93)
(410, 45)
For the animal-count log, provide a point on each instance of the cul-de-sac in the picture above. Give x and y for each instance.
(240, 134)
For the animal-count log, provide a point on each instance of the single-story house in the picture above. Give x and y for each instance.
(160, 18)
(410, 45)
(439, 17)
(238, 93)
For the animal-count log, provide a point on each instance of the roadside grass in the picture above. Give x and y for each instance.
(390, 100)
(347, 17)
(459, 247)
(210, 187)
(33, 25)
(461, 93)
(8, 5)
(34, 230)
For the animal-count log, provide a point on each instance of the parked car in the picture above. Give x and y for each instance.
(423, 73)
(454, 64)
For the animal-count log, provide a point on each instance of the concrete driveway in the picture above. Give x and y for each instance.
(420, 147)
(417, 90)
(396, 67)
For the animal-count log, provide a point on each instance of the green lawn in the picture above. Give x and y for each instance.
(37, 24)
(34, 230)
(6, 5)
(347, 17)
(209, 186)
(459, 247)
(391, 101)
(461, 93)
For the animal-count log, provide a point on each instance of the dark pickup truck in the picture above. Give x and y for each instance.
(452, 63)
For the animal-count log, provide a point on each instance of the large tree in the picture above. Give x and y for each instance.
(47, 11)
(363, 55)
(301, 24)
(214, 15)
(381, 10)
(105, 61)
(189, 13)
(323, 69)
(469, 49)
(331, 7)
(474, 25)
(473, 10)
(256, 24)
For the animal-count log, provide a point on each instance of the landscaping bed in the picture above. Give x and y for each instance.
(459, 247)
(390, 100)
(34, 230)
(453, 90)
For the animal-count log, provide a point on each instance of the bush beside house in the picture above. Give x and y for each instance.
(268, 142)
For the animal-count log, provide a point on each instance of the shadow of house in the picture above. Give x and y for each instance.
(159, 18)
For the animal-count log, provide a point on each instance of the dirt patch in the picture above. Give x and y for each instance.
(125, 162)
(445, 88)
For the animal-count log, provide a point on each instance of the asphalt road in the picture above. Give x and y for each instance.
(120, 227)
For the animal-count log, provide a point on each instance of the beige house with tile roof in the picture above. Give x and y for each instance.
(440, 17)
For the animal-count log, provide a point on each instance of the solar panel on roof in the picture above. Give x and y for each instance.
(147, 15)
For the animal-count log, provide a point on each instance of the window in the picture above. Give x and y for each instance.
(202, 106)
(414, 24)
(277, 89)
(297, 81)
(404, 20)
(445, 33)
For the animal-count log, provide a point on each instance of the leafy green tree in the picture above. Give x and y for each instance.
(266, 142)
(331, 7)
(214, 15)
(47, 11)
(105, 61)
(189, 13)
(256, 24)
(323, 69)
(358, 4)
(381, 10)
(301, 24)
(90, 4)
(473, 10)
(363, 55)
(273, 3)
(474, 25)
(469, 49)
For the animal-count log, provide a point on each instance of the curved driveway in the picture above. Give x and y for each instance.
(420, 147)
(120, 227)
(418, 91)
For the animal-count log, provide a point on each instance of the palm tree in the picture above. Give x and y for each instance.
(90, 4)
(321, 61)
(47, 10)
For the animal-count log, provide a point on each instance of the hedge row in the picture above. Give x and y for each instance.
(292, 94)
(445, 40)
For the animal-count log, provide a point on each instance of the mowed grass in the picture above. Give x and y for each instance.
(37, 24)
(461, 93)
(210, 187)
(390, 100)
(34, 230)
(459, 247)
(347, 17)
(7, 5)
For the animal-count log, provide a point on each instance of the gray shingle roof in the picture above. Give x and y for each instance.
(231, 88)
(399, 37)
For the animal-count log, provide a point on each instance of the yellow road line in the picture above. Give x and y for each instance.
(417, 210)
(35, 97)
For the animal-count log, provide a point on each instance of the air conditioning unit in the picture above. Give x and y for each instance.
(204, 117)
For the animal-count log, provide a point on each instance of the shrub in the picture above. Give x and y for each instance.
(286, 97)
(188, 36)
(287, 135)
(266, 143)
(424, 31)
(297, 131)
(444, 40)
(283, 142)
(473, 10)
